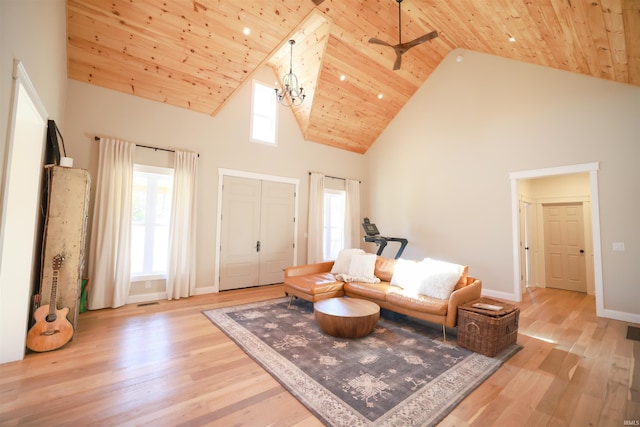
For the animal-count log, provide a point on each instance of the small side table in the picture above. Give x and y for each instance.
(486, 331)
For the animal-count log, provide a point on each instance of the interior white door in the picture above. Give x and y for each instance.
(565, 264)
(257, 232)
(276, 231)
(240, 233)
(525, 244)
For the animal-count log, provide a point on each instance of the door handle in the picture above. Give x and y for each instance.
(581, 251)
(258, 246)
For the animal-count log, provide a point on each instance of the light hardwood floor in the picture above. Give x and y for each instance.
(166, 364)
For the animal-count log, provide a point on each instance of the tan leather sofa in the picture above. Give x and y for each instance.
(315, 282)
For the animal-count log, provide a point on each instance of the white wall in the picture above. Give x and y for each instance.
(222, 142)
(439, 173)
(33, 32)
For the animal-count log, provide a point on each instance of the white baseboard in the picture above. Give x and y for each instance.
(204, 291)
(137, 299)
(501, 295)
(621, 315)
(157, 296)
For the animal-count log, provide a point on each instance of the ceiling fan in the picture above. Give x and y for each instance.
(401, 48)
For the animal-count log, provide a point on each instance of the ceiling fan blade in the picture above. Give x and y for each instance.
(419, 40)
(378, 41)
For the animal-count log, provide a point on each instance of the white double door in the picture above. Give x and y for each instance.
(257, 232)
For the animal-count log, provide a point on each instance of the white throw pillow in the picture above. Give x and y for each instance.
(343, 261)
(407, 275)
(363, 265)
(439, 278)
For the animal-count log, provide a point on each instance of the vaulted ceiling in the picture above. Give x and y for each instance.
(197, 54)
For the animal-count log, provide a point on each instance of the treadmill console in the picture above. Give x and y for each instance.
(370, 228)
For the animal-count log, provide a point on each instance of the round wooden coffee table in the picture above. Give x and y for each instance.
(346, 317)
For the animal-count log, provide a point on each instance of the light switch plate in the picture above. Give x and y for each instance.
(618, 246)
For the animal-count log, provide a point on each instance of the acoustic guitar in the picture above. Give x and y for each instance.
(52, 329)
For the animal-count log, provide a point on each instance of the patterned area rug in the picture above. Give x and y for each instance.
(401, 374)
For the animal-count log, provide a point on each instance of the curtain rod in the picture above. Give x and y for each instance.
(97, 138)
(334, 177)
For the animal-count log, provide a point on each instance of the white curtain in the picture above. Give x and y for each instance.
(316, 218)
(181, 277)
(110, 249)
(352, 214)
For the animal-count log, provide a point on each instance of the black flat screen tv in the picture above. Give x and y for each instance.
(55, 144)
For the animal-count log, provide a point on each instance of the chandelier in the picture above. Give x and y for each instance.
(292, 94)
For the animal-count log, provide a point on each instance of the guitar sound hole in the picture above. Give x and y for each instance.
(51, 317)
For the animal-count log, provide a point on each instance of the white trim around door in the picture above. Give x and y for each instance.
(20, 193)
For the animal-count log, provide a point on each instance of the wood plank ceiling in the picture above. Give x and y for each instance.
(194, 54)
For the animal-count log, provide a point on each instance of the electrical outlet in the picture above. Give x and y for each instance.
(618, 246)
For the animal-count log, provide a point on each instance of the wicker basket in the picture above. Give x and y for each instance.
(487, 332)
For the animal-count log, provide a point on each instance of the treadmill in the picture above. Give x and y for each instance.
(373, 236)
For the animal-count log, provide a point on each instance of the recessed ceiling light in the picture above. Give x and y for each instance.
(246, 31)
(342, 77)
(380, 96)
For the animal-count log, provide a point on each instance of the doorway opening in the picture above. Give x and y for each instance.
(555, 233)
(522, 231)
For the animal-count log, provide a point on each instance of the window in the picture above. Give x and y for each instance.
(264, 114)
(334, 212)
(151, 211)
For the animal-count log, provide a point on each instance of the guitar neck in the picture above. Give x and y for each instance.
(54, 292)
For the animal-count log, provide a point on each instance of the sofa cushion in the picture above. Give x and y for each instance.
(314, 283)
(384, 268)
(343, 260)
(462, 282)
(377, 291)
(422, 303)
